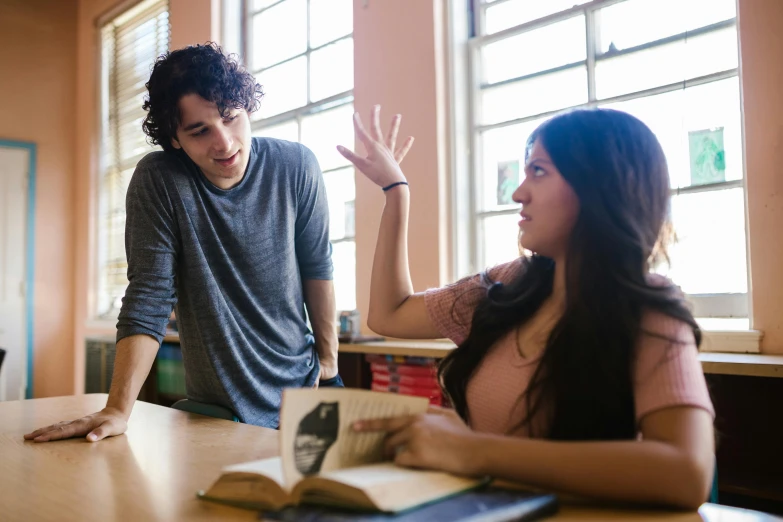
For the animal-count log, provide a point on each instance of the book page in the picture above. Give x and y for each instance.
(271, 468)
(316, 428)
(258, 483)
(392, 488)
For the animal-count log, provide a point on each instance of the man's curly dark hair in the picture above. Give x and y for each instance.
(200, 69)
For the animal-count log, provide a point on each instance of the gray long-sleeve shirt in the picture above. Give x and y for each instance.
(233, 262)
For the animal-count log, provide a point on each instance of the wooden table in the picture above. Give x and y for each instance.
(153, 471)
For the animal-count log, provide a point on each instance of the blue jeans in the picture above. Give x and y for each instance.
(334, 382)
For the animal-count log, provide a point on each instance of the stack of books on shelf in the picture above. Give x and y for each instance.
(406, 376)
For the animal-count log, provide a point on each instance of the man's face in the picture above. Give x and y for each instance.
(219, 146)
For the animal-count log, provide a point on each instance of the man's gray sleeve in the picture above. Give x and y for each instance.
(313, 249)
(151, 249)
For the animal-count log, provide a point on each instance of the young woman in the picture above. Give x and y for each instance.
(576, 368)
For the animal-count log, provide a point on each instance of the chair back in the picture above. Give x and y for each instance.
(210, 410)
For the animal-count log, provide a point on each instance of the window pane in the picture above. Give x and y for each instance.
(279, 33)
(331, 70)
(232, 22)
(344, 259)
(534, 96)
(285, 87)
(131, 140)
(341, 193)
(736, 324)
(111, 254)
(288, 131)
(500, 238)
(676, 116)
(329, 20)
(709, 256)
(129, 45)
(260, 4)
(671, 63)
(636, 22)
(500, 149)
(322, 132)
(516, 12)
(555, 45)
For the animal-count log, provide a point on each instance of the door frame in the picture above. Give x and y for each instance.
(29, 252)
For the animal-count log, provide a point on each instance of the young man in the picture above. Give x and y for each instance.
(234, 232)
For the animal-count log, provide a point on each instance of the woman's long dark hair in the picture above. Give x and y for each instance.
(583, 385)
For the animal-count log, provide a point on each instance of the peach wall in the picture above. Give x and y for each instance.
(397, 63)
(194, 22)
(36, 105)
(761, 67)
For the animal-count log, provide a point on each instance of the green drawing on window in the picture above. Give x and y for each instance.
(707, 155)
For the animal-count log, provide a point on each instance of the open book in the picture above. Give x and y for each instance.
(323, 461)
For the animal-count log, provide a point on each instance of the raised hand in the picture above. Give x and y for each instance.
(382, 163)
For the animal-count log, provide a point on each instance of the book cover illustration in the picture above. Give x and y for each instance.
(317, 433)
(316, 429)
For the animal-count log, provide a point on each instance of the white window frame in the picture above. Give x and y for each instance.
(465, 44)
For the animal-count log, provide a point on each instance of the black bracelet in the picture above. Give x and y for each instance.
(394, 185)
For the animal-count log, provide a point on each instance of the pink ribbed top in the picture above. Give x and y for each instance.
(664, 375)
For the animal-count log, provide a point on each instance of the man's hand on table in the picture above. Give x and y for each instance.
(106, 423)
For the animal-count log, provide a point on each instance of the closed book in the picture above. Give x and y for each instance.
(404, 369)
(406, 390)
(400, 359)
(415, 381)
(488, 504)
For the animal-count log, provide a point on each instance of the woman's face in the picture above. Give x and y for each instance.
(550, 207)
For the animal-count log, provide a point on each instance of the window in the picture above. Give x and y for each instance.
(671, 63)
(301, 52)
(130, 43)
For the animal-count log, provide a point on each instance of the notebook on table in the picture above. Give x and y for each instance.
(487, 504)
